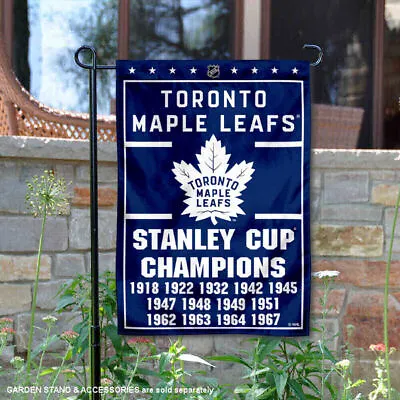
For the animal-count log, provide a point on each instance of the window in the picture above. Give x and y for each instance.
(46, 34)
(342, 84)
(181, 29)
(391, 75)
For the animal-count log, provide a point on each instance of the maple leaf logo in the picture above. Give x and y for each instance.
(213, 191)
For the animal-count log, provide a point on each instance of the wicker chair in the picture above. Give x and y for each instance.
(23, 115)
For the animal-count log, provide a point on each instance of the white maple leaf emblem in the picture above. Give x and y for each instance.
(213, 191)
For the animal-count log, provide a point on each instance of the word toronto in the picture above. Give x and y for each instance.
(209, 100)
(211, 240)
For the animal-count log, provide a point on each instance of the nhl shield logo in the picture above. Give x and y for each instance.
(213, 71)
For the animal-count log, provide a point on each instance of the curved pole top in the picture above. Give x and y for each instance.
(93, 64)
(81, 50)
(320, 53)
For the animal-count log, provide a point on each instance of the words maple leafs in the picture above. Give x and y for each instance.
(213, 191)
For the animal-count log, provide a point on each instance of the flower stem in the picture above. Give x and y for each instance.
(41, 360)
(53, 383)
(133, 372)
(35, 290)
(386, 299)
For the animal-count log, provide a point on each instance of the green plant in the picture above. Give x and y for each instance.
(172, 375)
(327, 278)
(284, 368)
(343, 369)
(45, 196)
(129, 362)
(382, 390)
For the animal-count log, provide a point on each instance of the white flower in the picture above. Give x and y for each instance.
(49, 319)
(344, 364)
(325, 274)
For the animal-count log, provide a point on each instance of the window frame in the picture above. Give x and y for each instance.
(377, 63)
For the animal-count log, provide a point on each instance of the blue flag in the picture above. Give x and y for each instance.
(213, 197)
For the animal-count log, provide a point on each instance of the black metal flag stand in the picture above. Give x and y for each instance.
(95, 345)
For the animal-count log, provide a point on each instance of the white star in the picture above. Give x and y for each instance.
(172, 70)
(295, 70)
(152, 70)
(234, 70)
(254, 70)
(132, 70)
(274, 70)
(193, 70)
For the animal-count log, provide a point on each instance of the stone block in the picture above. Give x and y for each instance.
(335, 301)
(382, 175)
(199, 345)
(395, 249)
(316, 179)
(355, 212)
(69, 265)
(356, 241)
(79, 231)
(106, 262)
(232, 344)
(65, 171)
(31, 169)
(388, 222)
(65, 322)
(21, 234)
(106, 173)
(229, 373)
(6, 380)
(385, 194)
(346, 187)
(7, 355)
(23, 268)
(47, 294)
(361, 273)
(365, 312)
(315, 205)
(107, 197)
(12, 199)
(15, 298)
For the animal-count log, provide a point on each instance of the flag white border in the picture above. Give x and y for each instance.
(137, 144)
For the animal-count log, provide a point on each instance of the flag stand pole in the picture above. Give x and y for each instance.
(95, 345)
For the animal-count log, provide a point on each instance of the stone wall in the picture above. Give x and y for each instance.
(353, 197)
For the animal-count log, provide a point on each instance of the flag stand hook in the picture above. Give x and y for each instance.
(95, 348)
(320, 53)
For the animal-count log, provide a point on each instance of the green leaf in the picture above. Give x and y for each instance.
(193, 358)
(112, 332)
(297, 389)
(280, 382)
(165, 359)
(145, 371)
(64, 302)
(48, 371)
(332, 390)
(265, 348)
(257, 372)
(230, 358)
(142, 383)
(357, 383)
(242, 389)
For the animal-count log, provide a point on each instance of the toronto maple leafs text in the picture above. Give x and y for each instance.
(213, 99)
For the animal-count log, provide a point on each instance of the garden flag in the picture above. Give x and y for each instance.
(213, 197)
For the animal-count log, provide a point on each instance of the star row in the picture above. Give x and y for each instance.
(193, 70)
